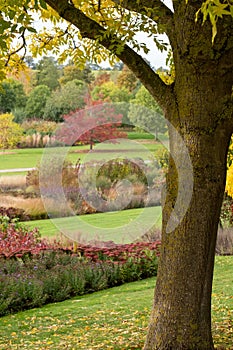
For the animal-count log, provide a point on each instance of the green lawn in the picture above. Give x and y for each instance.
(26, 158)
(135, 135)
(121, 226)
(112, 319)
(31, 157)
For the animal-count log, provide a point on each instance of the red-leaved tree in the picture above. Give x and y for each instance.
(98, 122)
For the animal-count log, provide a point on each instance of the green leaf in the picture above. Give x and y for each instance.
(11, 14)
(31, 29)
(21, 17)
(13, 28)
(43, 4)
(4, 25)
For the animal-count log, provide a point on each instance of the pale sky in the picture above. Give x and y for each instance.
(155, 56)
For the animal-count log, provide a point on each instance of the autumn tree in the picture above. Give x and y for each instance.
(101, 78)
(197, 104)
(127, 79)
(11, 132)
(110, 92)
(96, 123)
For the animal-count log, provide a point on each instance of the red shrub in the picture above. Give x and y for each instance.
(16, 240)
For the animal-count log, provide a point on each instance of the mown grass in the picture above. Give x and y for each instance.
(31, 157)
(121, 226)
(24, 158)
(116, 318)
(135, 135)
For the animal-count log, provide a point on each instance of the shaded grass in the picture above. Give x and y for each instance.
(116, 318)
(121, 226)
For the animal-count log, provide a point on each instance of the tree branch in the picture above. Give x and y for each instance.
(93, 30)
(161, 14)
(22, 46)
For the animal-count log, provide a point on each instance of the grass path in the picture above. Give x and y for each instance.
(116, 318)
(120, 226)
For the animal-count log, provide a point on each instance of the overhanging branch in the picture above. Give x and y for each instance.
(93, 30)
(160, 13)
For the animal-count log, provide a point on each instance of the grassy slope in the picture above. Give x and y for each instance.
(112, 319)
(122, 226)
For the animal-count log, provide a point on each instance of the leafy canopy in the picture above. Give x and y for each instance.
(94, 30)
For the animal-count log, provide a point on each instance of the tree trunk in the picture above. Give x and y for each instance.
(181, 316)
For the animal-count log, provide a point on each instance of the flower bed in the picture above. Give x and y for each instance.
(35, 272)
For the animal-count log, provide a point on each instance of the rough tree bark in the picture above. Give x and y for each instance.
(199, 105)
(181, 317)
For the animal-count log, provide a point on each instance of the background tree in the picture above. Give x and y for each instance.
(101, 78)
(12, 95)
(69, 97)
(47, 73)
(145, 112)
(11, 132)
(20, 100)
(90, 125)
(36, 102)
(118, 66)
(20, 95)
(7, 97)
(72, 72)
(127, 79)
(94, 66)
(30, 62)
(198, 104)
(110, 92)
